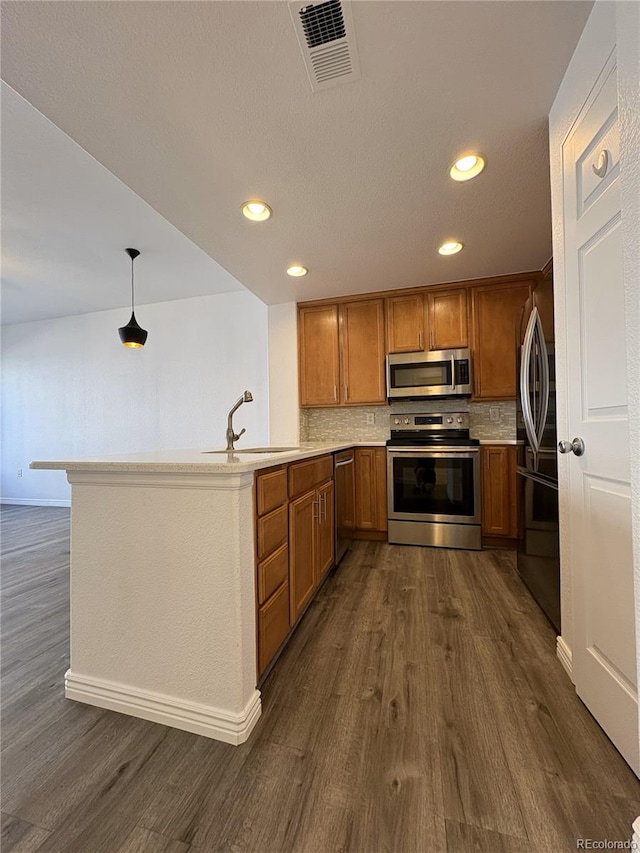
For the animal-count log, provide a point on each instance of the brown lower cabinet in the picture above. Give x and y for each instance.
(499, 491)
(295, 546)
(371, 489)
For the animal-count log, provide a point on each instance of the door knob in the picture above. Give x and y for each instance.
(576, 446)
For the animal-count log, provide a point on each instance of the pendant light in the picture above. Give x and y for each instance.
(132, 335)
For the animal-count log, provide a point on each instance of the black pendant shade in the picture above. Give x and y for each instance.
(132, 335)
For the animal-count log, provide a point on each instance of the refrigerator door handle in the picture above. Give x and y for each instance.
(525, 373)
(543, 356)
(529, 475)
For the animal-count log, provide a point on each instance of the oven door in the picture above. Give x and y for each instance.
(440, 485)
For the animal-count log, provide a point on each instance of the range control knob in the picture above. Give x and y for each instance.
(397, 421)
(449, 420)
(459, 420)
(406, 420)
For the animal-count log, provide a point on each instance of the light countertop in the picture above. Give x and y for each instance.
(196, 461)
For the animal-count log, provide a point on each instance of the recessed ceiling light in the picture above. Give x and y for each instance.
(296, 270)
(256, 210)
(467, 167)
(451, 247)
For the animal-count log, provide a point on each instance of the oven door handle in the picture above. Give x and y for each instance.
(432, 449)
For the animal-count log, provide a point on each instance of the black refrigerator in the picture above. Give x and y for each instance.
(538, 557)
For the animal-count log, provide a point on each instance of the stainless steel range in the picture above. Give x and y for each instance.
(433, 481)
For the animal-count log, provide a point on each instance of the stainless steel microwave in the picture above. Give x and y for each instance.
(440, 373)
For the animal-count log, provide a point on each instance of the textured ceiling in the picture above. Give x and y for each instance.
(198, 106)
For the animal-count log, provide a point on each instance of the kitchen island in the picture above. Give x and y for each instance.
(162, 590)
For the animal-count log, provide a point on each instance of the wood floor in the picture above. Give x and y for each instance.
(418, 708)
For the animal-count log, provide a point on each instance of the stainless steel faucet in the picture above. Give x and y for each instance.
(247, 397)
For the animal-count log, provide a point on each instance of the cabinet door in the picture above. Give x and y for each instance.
(405, 323)
(326, 530)
(496, 319)
(362, 347)
(499, 514)
(447, 319)
(366, 493)
(273, 626)
(318, 354)
(303, 514)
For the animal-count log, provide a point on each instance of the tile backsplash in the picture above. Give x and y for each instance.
(488, 421)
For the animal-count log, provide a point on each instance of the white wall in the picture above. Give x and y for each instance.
(284, 420)
(69, 387)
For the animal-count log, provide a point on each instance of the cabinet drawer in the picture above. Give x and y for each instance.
(272, 531)
(271, 489)
(272, 572)
(304, 476)
(273, 626)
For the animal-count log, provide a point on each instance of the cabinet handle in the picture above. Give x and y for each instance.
(324, 506)
(420, 339)
(346, 392)
(316, 510)
(335, 393)
(431, 340)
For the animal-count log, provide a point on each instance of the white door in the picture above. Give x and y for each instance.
(604, 655)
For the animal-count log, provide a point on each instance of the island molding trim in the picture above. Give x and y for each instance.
(193, 717)
(163, 480)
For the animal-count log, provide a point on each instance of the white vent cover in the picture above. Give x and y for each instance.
(327, 41)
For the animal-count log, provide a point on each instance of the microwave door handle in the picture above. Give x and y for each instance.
(453, 373)
(525, 374)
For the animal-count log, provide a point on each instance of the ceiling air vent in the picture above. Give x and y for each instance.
(327, 41)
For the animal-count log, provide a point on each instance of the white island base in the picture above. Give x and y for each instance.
(162, 597)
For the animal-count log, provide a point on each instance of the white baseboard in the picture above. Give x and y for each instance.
(167, 710)
(563, 653)
(635, 841)
(34, 502)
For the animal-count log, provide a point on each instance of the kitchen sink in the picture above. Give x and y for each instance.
(255, 450)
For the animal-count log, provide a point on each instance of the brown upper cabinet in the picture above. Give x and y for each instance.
(341, 353)
(343, 344)
(447, 319)
(429, 321)
(319, 355)
(496, 316)
(405, 323)
(362, 348)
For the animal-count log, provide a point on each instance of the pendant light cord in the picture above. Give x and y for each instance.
(132, 301)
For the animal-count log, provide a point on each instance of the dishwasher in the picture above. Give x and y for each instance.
(343, 467)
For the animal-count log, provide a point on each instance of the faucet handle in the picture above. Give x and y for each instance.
(242, 432)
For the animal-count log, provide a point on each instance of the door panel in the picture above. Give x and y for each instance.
(605, 385)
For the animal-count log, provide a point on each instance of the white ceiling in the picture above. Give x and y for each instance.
(66, 222)
(199, 106)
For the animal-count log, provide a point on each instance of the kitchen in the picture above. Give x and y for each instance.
(278, 368)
